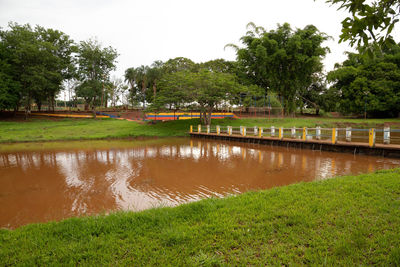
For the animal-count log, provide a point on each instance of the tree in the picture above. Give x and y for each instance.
(115, 90)
(371, 85)
(281, 60)
(179, 64)
(370, 22)
(173, 91)
(10, 89)
(154, 74)
(130, 78)
(95, 65)
(60, 65)
(36, 61)
(205, 88)
(219, 65)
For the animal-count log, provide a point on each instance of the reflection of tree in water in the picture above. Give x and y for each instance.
(48, 185)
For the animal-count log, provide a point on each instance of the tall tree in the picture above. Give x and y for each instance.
(37, 59)
(95, 65)
(60, 65)
(130, 78)
(142, 81)
(282, 60)
(154, 74)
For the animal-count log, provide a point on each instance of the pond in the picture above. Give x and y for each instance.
(42, 182)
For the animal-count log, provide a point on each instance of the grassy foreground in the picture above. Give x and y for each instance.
(353, 220)
(79, 129)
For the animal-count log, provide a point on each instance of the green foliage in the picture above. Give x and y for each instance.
(207, 89)
(370, 22)
(347, 221)
(95, 65)
(370, 84)
(34, 64)
(282, 60)
(220, 65)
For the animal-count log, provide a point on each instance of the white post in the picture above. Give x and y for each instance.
(208, 129)
(318, 132)
(348, 134)
(255, 130)
(294, 132)
(272, 131)
(218, 129)
(199, 128)
(386, 135)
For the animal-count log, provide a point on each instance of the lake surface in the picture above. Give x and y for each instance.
(42, 182)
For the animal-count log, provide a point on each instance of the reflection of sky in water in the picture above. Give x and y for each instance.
(149, 176)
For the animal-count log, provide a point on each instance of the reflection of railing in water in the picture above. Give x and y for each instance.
(370, 137)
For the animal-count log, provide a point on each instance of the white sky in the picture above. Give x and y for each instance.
(145, 31)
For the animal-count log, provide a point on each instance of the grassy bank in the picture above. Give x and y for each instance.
(78, 129)
(353, 220)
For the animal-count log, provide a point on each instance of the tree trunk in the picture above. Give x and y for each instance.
(154, 90)
(209, 117)
(204, 122)
(28, 109)
(94, 108)
(52, 103)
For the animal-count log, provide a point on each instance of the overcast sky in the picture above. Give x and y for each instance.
(145, 31)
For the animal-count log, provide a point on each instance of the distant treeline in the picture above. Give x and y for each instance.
(274, 68)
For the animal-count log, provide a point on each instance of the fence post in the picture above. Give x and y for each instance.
(386, 135)
(229, 130)
(318, 132)
(191, 128)
(218, 129)
(199, 128)
(280, 133)
(255, 130)
(272, 131)
(260, 132)
(243, 130)
(371, 137)
(348, 134)
(208, 129)
(334, 135)
(294, 132)
(304, 133)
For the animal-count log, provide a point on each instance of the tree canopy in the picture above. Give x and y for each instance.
(282, 60)
(34, 64)
(370, 84)
(94, 66)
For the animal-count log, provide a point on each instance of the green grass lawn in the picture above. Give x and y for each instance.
(75, 129)
(353, 220)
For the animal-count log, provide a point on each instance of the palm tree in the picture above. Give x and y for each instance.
(130, 77)
(142, 78)
(154, 73)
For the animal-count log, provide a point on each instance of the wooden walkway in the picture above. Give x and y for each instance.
(388, 150)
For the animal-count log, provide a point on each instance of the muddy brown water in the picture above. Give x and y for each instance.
(51, 181)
